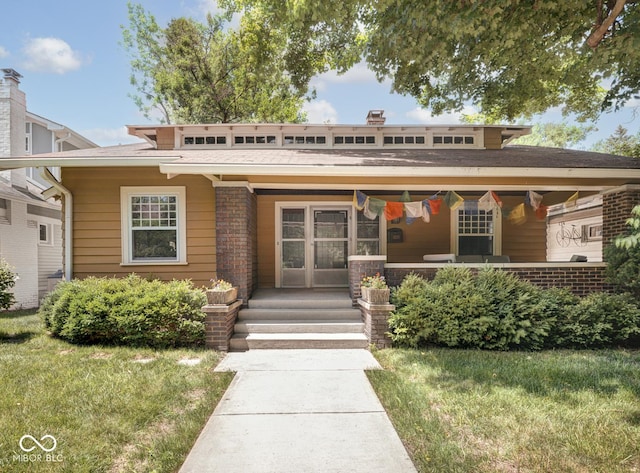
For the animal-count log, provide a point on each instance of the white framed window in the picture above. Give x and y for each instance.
(476, 231)
(45, 234)
(153, 225)
(27, 139)
(5, 211)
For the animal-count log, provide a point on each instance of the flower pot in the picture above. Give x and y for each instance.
(375, 296)
(222, 297)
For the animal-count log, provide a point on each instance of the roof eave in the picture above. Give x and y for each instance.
(177, 168)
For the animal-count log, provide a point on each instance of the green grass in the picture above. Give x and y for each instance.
(478, 411)
(107, 411)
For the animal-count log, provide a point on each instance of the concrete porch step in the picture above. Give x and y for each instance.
(298, 313)
(299, 326)
(300, 299)
(255, 341)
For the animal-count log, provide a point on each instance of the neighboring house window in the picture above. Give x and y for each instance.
(45, 235)
(5, 211)
(477, 231)
(592, 232)
(154, 225)
(27, 143)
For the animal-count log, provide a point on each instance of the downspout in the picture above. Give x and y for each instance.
(68, 220)
(59, 141)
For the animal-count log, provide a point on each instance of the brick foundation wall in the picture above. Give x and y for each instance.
(579, 279)
(236, 238)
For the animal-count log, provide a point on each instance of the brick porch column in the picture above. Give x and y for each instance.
(375, 318)
(616, 209)
(236, 238)
(361, 266)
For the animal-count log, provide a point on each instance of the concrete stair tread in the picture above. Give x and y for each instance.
(304, 336)
(298, 326)
(298, 314)
(298, 340)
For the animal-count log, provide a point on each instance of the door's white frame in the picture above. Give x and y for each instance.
(309, 207)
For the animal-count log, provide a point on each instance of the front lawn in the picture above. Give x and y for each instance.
(478, 411)
(109, 409)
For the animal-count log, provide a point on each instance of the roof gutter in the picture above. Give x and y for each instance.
(68, 218)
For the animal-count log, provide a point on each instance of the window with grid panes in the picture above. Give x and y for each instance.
(154, 225)
(476, 231)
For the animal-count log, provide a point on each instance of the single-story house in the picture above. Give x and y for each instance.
(316, 206)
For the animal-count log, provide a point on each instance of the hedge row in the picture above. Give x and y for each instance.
(127, 311)
(495, 310)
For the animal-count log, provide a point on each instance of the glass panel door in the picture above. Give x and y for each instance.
(293, 254)
(330, 247)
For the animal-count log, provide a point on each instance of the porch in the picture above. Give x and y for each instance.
(299, 318)
(581, 278)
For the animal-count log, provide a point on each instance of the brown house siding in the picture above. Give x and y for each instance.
(525, 243)
(97, 223)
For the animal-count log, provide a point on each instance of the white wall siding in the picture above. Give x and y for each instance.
(562, 249)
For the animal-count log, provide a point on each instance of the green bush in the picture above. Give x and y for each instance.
(623, 268)
(129, 311)
(599, 320)
(7, 281)
(495, 310)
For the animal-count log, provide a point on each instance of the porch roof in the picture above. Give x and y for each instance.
(512, 162)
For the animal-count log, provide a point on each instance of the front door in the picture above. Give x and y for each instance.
(313, 246)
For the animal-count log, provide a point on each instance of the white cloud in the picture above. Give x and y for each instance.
(3, 52)
(50, 55)
(110, 136)
(358, 74)
(421, 115)
(320, 111)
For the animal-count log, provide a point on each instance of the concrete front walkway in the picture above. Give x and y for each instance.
(294, 411)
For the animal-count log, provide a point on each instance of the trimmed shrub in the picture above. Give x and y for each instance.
(127, 311)
(599, 320)
(7, 281)
(495, 310)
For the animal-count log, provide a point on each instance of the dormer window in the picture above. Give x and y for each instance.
(458, 140)
(354, 140)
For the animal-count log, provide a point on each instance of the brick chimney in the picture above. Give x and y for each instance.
(375, 117)
(13, 114)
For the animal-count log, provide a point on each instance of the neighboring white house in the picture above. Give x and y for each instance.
(575, 230)
(30, 226)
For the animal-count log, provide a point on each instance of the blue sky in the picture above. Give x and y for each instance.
(77, 73)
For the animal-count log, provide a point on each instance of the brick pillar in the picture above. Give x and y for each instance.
(219, 323)
(236, 238)
(375, 318)
(360, 267)
(616, 209)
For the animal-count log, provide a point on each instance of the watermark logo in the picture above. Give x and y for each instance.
(42, 446)
(38, 450)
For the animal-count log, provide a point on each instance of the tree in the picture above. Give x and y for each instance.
(620, 143)
(209, 73)
(623, 257)
(509, 58)
(555, 135)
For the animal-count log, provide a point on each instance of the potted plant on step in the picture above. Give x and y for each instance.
(374, 289)
(221, 292)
